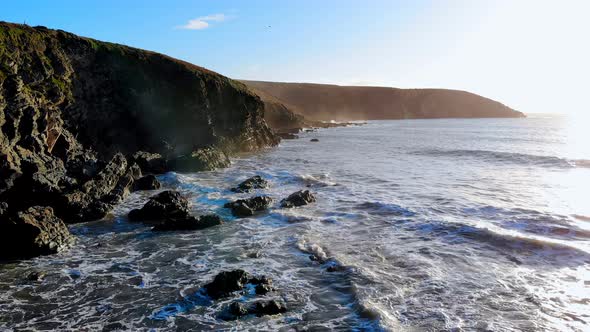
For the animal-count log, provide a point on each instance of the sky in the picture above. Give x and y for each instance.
(532, 55)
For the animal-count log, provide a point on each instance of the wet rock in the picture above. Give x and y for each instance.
(148, 182)
(263, 308)
(255, 182)
(226, 283)
(33, 232)
(287, 136)
(247, 207)
(36, 276)
(165, 205)
(204, 159)
(314, 140)
(150, 162)
(189, 223)
(298, 198)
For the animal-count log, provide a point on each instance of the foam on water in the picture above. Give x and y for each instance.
(406, 234)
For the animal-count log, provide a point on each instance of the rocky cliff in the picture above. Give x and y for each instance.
(343, 103)
(79, 118)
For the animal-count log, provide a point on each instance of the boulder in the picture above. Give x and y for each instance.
(298, 198)
(260, 308)
(255, 182)
(165, 205)
(148, 182)
(227, 282)
(247, 207)
(189, 223)
(33, 232)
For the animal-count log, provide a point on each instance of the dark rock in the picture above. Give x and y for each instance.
(36, 276)
(263, 308)
(189, 223)
(298, 198)
(33, 232)
(165, 205)
(150, 162)
(204, 159)
(237, 309)
(247, 207)
(148, 182)
(226, 283)
(287, 136)
(255, 182)
(314, 140)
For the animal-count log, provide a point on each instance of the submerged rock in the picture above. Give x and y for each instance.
(298, 198)
(314, 140)
(255, 182)
(165, 205)
(189, 223)
(247, 207)
(33, 232)
(148, 182)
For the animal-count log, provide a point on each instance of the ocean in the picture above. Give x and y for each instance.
(419, 225)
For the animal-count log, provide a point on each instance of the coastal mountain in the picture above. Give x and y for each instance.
(323, 102)
(80, 119)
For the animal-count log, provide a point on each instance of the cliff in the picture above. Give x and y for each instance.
(78, 117)
(343, 103)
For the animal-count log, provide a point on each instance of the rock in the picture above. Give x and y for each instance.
(298, 198)
(165, 205)
(226, 283)
(33, 232)
(36, 276)
(150, 162)
(236, 310)
(287, 136)
(314, 140)
(204, 159)
(255, 182)
(189, 223)
(148, 182)
(247, 207)
(263, 308)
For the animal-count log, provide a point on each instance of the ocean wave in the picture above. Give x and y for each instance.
(509, 157)
(316, 180)
(456, 232)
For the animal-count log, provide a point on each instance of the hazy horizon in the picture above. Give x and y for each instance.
(527, 55)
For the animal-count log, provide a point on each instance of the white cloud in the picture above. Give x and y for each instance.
(203, 22)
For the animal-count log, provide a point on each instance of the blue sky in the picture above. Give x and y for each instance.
(528, 54)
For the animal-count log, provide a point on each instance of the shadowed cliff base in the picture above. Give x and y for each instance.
(323, 102)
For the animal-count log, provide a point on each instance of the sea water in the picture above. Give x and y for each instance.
(419, 225)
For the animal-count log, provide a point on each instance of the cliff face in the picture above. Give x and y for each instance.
(74, 110)
(332, 102)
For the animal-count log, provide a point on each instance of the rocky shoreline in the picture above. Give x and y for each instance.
(83, 123)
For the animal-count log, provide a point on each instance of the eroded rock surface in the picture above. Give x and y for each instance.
(298, 198)
(255, 182)
(247, 207)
